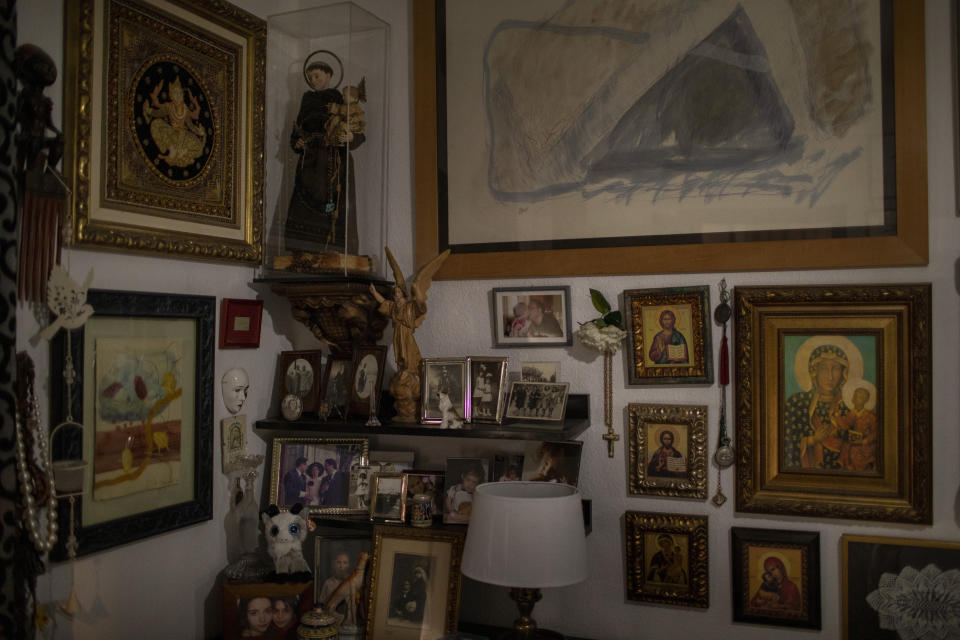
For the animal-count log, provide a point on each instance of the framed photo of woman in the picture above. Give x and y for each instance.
(833, 401)
(336, 387)
(776, 577)
(299, 374)
(366, 380)
(264, 610)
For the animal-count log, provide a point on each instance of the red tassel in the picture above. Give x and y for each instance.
(724, 362)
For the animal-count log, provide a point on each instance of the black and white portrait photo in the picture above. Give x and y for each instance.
(410, 589)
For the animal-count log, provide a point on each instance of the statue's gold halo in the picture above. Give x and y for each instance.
(801, 362)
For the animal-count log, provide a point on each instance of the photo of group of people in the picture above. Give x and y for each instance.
(410, 589)
(538, 401)
(531, 316)
(266, 610)
(317, 473)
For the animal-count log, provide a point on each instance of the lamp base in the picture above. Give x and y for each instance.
(535, 634)
(524, 627)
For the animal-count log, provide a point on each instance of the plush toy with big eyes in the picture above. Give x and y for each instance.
(285, 532)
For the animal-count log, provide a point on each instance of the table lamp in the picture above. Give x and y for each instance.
(526, 536)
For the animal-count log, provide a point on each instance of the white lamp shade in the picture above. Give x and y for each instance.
(526, 534)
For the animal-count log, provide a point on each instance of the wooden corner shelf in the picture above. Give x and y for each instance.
(576, 422)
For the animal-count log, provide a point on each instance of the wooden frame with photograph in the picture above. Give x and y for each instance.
(680, 353)
(298, 373)
(537, 401)
(388, 497)
(141, 179)
(444, 375)
(428, 559)
(240, 323)
(900, 234)
(487, 388)
(237, 597)
(667, 558)
(527, 317)
(677, 468)
(886, 581)
(144, 390)
(285, 479)
(775, 577)
(335, 391)
(364, 389)
(833, 396)
(341, 554)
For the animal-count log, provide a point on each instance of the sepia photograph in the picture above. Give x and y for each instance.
(537, 401)
(488, 377)
(388, 500)
(540, 371)
(444, 397)
(300, 373)
(340, 564)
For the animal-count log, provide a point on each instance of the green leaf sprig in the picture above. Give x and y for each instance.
(607, 317)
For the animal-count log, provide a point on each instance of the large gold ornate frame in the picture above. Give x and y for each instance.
(694, 420)
(696, 593)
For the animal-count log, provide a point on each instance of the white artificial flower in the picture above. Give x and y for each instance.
(604, 340)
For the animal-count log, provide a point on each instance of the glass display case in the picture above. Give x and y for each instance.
(325, 144)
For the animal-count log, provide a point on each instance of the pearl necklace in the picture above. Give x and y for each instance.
(42, 541)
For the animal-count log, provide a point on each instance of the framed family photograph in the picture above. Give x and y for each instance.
(834, 402)
(540, 371)
(144, 392)
(666, 557)
(341, 562)
(335, 391)
(531, 317)
(299, 374)
(668, 450)
(240, 323)
(488, 387)
(164, 127)
(388, 497)
(555, 462)
(462, 477)
(265, 609)
(898, 587)
(316, 472)
(521, 173)
(368, 364)
(538, 401)
(415, 583)
(776, 577)
(669, 335)
(444, 388)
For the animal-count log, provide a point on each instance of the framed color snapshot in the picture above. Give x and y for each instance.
(537, 401)
(240, 323)
(669, 335)
(164, 127)
(339, 559)
(899, 587)
(668, 450)
(265, 609)
(531, 317)
(316, 472)
(666, 557)
(833, 397)
(144, 393)
(488, 388)
(411, 568)
(776, 577)
(521, 173)
(444, 389)
(367, 379)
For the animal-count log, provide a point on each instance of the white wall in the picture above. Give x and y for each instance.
(163, 587)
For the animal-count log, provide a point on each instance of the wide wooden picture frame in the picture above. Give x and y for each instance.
(833, 396)
(775, 576)
(710, 247)
(668, 450)
(429, 559)
(666, 558)
(144, 391)
(299, 374)
(669, 335)
(347, 453)
(888, 584)
(240, 322)
(164, 127)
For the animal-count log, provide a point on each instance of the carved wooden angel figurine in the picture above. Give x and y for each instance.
(407, 313)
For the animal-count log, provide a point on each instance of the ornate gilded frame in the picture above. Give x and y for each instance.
(642, 530)
(649, 419)
(359, 448)
(641, 306)
(775, 543)
(778, 470)
(908, 246)
(446, 547)
(130, 194)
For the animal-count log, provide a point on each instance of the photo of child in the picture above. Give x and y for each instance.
(462, 478)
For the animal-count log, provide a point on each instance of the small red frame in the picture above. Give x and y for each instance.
(240, 323)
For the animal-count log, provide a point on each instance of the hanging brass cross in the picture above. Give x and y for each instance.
(611, 437)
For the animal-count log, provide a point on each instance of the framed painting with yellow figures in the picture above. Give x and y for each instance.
(667, 558)
(776, 577)
(833, 401)
(668, 450)
(144, 393)
(669, 335)
(164, 127)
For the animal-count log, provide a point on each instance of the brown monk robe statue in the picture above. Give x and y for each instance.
(407, 313)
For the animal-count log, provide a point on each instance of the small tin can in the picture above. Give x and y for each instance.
(421, 513)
